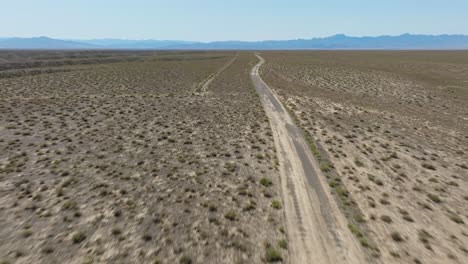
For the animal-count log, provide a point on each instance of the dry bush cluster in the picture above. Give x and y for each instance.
(119, 162)
(394, 127)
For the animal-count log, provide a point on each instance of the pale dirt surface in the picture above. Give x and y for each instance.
(317, 230)
(394, 125)
(111, 157)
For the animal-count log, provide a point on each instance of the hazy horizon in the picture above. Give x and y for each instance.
(188, 40)
(209, 20)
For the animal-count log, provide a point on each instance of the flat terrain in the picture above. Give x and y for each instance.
(390, 133)
(116, 157)
(223, 157)
(317, 230)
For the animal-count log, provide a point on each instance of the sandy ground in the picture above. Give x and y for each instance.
(317, 230)
(118, 161)
(114, 157)
(393, 127)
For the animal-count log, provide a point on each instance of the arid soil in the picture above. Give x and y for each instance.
(390, 131)
(316, 228)
(169, 157)
(112, 157)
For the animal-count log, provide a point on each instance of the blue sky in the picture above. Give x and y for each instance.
(208, 20)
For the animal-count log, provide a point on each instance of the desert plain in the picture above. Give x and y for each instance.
(172, 156)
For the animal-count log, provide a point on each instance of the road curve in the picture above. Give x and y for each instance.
(317, 230)
(204, 87)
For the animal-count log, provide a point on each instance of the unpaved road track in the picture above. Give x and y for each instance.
(207, 83)
(317, 230)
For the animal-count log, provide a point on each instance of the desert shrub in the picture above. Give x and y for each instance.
(272, 255)
(325, 167)
(68, 204)
(266, 181)
(333, 183)
(341, 191)
(428, 166)
(59, 191)
(384, 201)
(78, 237)
(147, 237)
(456, 218)
(47, 250)
(387, 219)
(27, 233)
(283, 244)
(358, 162)
(396, 237)
(355, 230)
(452, 183)
(250, 206)
(424, 236)
(276, 204)
(231, 167)
(231, 215)
(186, 260)
(405, 215)
(435, 198)
(282, 230)
(212, 208)
(116, 231)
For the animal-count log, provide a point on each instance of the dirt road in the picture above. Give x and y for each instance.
(317, 230)
(204, 87)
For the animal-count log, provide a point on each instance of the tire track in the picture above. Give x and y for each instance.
(202, 89)
(317, 230)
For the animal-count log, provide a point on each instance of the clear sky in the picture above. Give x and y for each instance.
(208, 20)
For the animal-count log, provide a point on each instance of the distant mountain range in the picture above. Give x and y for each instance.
(43, 43)
(406, 41)
(135, 44)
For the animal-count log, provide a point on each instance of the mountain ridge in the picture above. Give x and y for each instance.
(338, 41)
